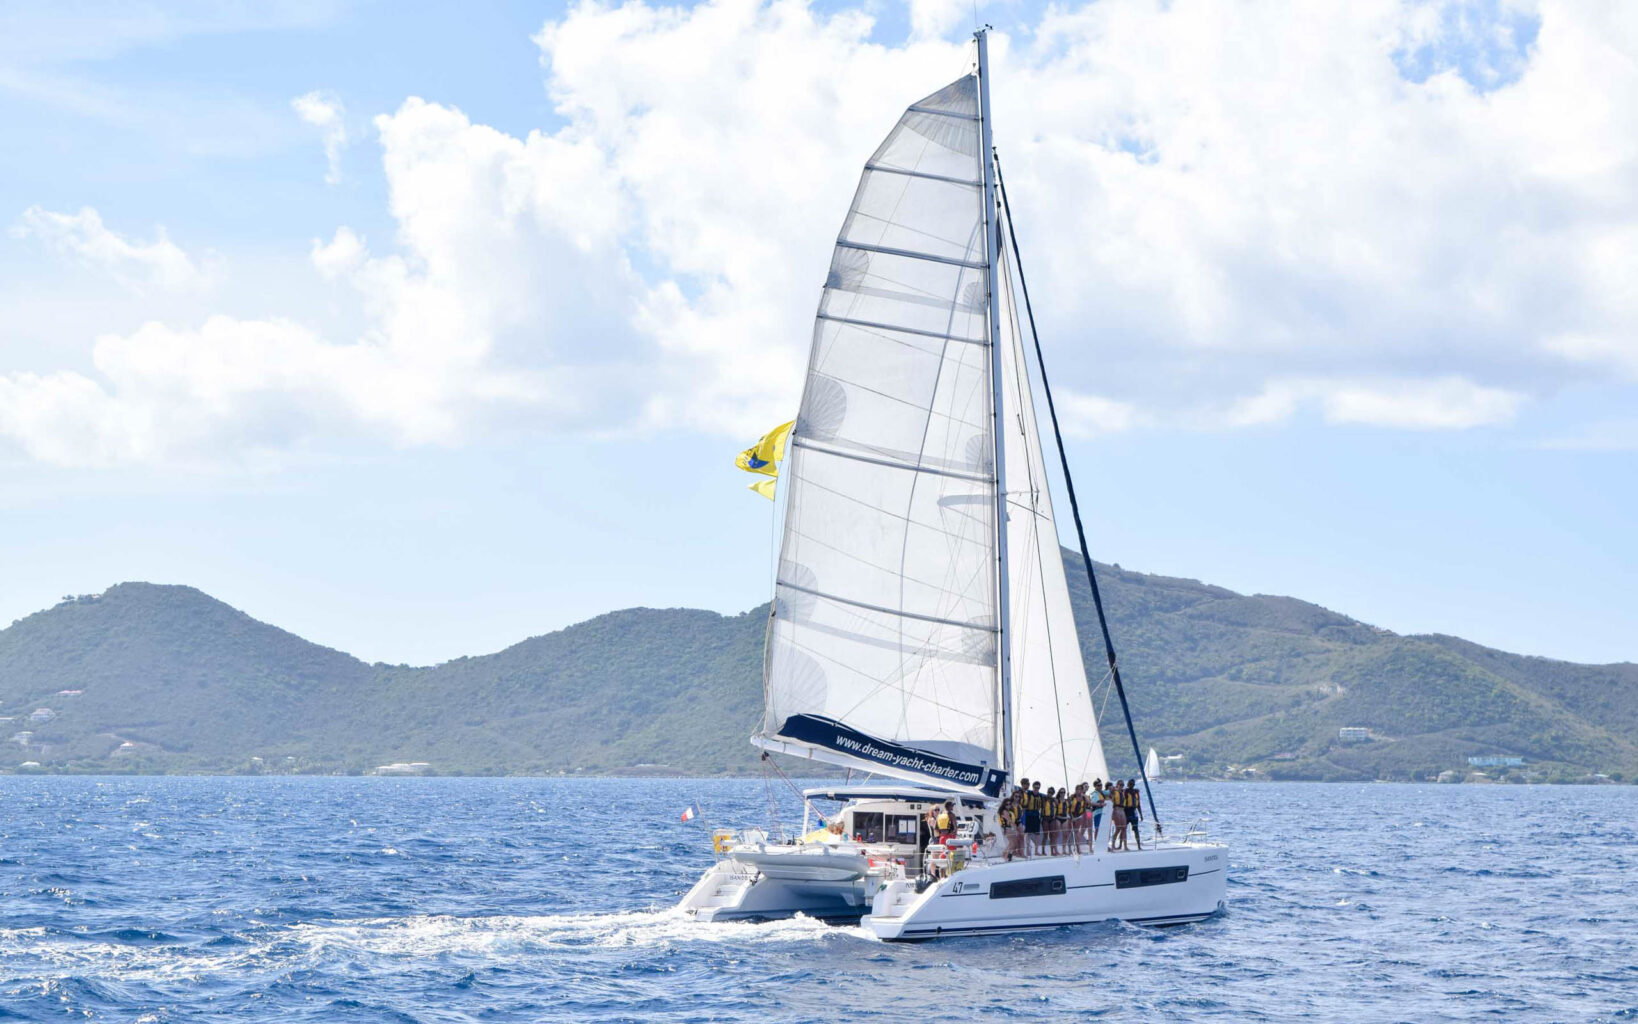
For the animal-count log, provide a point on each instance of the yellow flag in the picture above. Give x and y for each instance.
(764, 456)
(765, 487)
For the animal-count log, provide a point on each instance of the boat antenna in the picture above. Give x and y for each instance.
(1074, 506)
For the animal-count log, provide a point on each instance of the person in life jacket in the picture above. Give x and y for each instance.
(1117, 817)
(1020, 807)
(1134, 810)
(1078, 806)
(1011, 820)
(945, 823)
(1034, 801)
(1060, 818)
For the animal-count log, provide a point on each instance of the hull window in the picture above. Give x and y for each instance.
(1138, 877)
(1052, 885)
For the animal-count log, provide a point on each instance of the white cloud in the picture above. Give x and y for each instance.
(339, 257)
(1444, 403)
(1617, 353)
(84, 237)
(325, 112)
(934, 19)
(1200, 219)
(495, 306)
(1389, 215)
(1093, 415)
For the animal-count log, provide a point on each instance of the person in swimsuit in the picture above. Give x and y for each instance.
(1078, 805)
(1098, 804)
(1087, 799)
(1061, 814)
(1052, 821)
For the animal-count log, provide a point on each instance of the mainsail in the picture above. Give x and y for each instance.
(885, 637)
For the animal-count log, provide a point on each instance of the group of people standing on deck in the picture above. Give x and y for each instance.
(1057, 822)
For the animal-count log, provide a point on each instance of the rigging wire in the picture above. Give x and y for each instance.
(773, 804)
(1074, 506)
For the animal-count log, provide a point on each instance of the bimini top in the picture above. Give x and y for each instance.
(888, 791)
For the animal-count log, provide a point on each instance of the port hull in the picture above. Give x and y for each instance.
(735, 891)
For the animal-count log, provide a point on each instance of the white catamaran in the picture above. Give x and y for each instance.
(921, 629)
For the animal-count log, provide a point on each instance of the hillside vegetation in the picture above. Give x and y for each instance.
(166, 679)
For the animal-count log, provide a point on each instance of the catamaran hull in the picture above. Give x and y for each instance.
(734, 890)
(1163, 886)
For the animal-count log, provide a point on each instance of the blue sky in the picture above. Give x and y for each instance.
(1341, 302)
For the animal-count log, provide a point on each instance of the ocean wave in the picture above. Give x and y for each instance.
(436, 934)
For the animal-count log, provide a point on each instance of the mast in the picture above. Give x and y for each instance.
(992, 240)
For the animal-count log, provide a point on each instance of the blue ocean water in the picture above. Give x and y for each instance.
(376, 899)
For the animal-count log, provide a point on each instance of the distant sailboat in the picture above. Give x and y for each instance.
(921, 628)
(1151, 766)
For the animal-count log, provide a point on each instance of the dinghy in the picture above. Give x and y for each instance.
(921, 628)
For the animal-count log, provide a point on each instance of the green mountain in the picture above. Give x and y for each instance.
(1270, 682)
(164, 678)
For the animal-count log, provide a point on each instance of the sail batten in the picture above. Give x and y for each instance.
(911, 254)
(896, 329)
(923, 109)
(891, 611)
(885, 169)
(883, 460)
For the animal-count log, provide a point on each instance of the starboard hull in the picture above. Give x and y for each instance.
(1172, 884)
